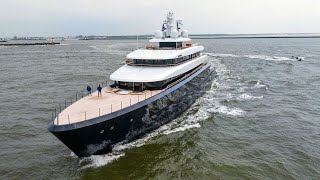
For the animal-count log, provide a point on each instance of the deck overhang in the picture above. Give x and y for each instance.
(150, 54)
(129, 73)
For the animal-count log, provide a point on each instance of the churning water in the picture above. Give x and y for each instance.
(259, 120)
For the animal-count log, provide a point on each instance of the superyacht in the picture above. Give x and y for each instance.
(156, 84)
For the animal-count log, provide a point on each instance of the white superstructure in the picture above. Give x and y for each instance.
(169, 59)
(163, 54)
(154, 74)
(169, 55)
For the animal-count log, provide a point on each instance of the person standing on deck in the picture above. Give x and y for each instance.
(89, 90)
(99, 88)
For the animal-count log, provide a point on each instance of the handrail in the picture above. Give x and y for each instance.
(57, 118)
(60, 108)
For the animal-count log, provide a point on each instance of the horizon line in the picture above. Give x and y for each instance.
(195, 34)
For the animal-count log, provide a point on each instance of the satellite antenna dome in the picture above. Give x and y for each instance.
(174, 33)
(184, 33)
(158, 34)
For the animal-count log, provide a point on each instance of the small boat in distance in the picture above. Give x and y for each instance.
(157, 84)
(297, 58)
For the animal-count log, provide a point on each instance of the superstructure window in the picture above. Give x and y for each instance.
(168, 44)
(141, 86)
(164, 62)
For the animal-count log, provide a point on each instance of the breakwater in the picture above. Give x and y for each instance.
(29, 44)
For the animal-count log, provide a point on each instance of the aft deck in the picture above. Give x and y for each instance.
(112, 100)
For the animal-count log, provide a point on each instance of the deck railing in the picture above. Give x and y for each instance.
(69, 101)
(134, 98)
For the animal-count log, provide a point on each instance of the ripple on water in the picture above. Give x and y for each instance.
(238, 129)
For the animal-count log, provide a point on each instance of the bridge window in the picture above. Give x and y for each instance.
(168, 44)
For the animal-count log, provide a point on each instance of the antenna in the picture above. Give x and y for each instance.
(179, 24)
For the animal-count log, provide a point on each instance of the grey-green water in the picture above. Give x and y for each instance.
(260, 120)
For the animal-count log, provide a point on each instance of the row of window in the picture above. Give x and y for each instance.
(141, 86)
(165, 61)
(170, 44)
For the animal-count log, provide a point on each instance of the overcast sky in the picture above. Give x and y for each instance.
(130, 17)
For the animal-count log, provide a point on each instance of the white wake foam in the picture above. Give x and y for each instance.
(259, 85)
(269, 58)
(262, 57)
(73, 155)
(227, 110)
(182, 128)
(246, 96)
(221, 55)
(142, 141)
(99, 160)
(119, 149)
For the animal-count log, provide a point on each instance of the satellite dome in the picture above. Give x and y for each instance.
(184, 33)
(174, 33)
(158, 34)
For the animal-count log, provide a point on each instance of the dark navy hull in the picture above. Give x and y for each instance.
(98, 135)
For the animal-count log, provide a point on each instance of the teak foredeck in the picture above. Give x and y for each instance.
(112, 100)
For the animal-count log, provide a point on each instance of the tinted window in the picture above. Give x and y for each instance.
(167, 44)
(166, 61)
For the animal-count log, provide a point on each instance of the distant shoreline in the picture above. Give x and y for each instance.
(193, 36)
(29, 44)
(218, 36)
(211, 37)
(250, 37)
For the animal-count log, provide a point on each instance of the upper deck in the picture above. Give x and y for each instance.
(163, 54)
(129, 73)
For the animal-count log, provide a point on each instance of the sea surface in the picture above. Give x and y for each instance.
(259, 120)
